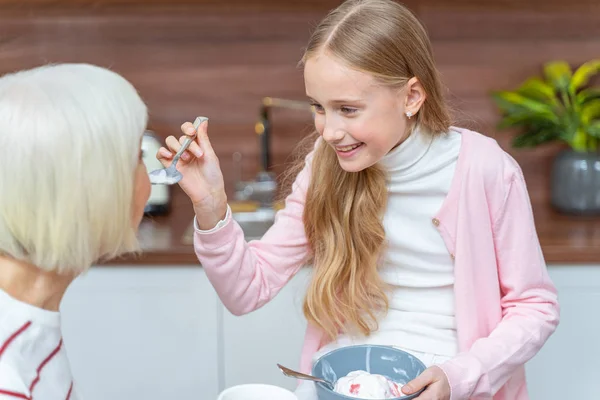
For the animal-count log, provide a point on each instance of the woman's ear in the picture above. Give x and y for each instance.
(414, 97)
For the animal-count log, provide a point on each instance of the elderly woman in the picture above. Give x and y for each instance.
(72, 192)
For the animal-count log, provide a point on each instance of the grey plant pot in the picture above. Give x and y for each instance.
(575, 185)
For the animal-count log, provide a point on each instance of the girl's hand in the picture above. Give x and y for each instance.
(438, 387)
(202, 177)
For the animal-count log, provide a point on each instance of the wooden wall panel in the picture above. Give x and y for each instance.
(185, 62)
(481, 47)
(142, 5)
(219, 58)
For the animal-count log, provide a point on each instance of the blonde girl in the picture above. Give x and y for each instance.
(420, 234)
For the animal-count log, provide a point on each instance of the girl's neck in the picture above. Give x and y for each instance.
(408, 153)
(32, 285)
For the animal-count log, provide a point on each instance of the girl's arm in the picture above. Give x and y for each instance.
(529, 301)
(246, 275)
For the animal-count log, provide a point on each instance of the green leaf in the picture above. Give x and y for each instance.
(515, 103)
(592, 144)
(533, 138)
(588, 94)
(590, 111)
(513, 120)
(579, 141)
(558, 73)
(525, 119)
(583, 74)
(570, 122)
(537, 89)
(594, 129)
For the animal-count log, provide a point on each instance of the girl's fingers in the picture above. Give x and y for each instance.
(193, 148)
(164, 154)
(173, 144)
(203, 136)
(187, 128)
(202, 144)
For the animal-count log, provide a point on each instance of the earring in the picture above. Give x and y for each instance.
(409, 114)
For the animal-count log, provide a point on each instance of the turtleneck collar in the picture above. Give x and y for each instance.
(408, 153)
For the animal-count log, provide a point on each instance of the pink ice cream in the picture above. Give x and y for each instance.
(363, 385)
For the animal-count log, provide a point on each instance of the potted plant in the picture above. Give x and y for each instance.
(561, 107)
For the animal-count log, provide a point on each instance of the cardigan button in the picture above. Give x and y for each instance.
(452, 257)
(436, 222)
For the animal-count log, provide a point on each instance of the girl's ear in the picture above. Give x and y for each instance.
(414, 97)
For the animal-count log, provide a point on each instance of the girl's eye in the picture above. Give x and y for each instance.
(317, 108)
(348, 110)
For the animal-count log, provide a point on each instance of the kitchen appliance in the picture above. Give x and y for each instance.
(160, 195)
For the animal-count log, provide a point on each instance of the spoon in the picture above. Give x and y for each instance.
(294, 374)
(170, 175)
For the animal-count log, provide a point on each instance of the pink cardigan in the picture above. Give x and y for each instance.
(506, 305)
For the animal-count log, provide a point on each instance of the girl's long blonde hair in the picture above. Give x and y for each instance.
(344, 210)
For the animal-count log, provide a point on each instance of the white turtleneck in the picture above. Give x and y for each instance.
(416, 263)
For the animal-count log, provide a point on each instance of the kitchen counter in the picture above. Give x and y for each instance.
(565, 239)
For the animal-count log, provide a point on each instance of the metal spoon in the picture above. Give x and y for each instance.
(170, 175)
(294, 374)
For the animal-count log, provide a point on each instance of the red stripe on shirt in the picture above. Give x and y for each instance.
(13, 337)
(14, 394)
(42, 365)
(70, 390)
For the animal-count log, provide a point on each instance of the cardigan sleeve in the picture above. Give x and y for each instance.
(530, 310)
(247, 275)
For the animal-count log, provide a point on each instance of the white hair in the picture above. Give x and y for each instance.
(69, 143)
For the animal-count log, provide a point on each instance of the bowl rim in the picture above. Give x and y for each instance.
(232, 389)
(342, 396)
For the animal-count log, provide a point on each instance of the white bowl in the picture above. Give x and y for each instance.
(256, 392)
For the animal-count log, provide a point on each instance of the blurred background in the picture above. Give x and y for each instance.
(151, 327)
